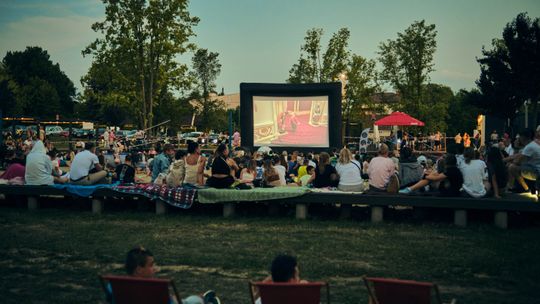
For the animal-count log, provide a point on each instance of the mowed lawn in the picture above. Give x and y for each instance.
(55, 255)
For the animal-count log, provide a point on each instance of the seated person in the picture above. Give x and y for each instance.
(302, 170)
(497, 173)
(474, 174)
(195, 164)
(223, 169)
(350, 172)
(249, 173)
(382, 172)
(526, 163)
(86, 169)
(140, 263)
(284, 269)
(15, 170)
(279, 163)
(39, 169)
(270, 174)
(450, 180)
(304, 180)
(125, 173)
(161, 163)
(177, 170)
(410, 171)
(325, 174)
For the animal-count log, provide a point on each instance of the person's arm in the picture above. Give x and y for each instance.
(233, 165)
(200, 171)
(97, 165)
(312, 178)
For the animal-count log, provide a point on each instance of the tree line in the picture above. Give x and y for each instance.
(136, 75)
(509, 76)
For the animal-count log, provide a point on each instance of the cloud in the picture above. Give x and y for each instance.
(62, 37)
(51, 33)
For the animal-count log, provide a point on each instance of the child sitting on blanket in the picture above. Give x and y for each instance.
(177, 170)
(306, 177)
(140, 263)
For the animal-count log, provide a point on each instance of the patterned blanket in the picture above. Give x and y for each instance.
(181, 197)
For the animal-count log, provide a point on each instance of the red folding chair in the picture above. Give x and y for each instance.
(289, 293)
(129, 290)
(394, 291)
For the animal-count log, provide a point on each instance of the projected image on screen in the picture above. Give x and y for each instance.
(290, 121)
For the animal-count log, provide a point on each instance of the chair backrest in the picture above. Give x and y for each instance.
(129, 290)
(394, 291)
(290, 293)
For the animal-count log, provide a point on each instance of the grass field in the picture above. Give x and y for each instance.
(55, 255)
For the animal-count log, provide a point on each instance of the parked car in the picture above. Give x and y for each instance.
(214, 139)
(53, 130)
(82, 133)
(193, 136)
(65, 133)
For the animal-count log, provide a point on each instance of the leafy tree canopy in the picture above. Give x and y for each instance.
(32, 85)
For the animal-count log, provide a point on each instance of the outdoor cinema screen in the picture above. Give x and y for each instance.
(303, 117)
(290, 121)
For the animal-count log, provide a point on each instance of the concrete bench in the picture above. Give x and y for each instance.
(460, 205)
(32, 194)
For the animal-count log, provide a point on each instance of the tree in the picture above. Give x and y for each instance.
(141, 42)
(356, 73)
(510, 71)
(308, 70)
(407, 62)
(335, 59)
(434, 110)
(361, 86)
(462, 113)
(206, 69)
(32, 85)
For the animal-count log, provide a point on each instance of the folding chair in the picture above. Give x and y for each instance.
(129, 290)
(394, 291)
(289, 293)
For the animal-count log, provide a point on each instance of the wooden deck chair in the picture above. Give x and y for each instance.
(129, 290)
(289, 293)
(394, 291)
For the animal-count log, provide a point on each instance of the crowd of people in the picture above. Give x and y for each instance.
(503, 165)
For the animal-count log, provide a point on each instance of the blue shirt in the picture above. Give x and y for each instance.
(160, 165)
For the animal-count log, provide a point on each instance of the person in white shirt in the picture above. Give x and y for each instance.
(106, 143)
(524, 164)
(38, 166)
(281, 170)
(474, 173)
(350, 172)
(85, 162)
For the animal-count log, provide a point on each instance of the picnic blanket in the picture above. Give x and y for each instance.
(181, 197)
(212, 195)
(84, 191)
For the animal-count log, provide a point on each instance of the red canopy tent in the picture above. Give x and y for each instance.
(398, 119)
